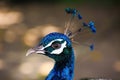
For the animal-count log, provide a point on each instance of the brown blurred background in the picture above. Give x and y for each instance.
(24, 22)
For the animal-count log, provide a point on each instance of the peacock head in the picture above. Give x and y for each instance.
(54, 45)
(58, 45)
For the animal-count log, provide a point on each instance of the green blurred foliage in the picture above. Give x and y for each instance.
(95, 2)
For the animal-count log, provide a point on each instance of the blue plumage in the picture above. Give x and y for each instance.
(91, 26)
(92, 47)
(71, 11)
(58, 46)
(55, 35)
(79, 16)
(64, 69)
(64, 61)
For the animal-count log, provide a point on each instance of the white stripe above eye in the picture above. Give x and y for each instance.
(60, 50)
(52, 42)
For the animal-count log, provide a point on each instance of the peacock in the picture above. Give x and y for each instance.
(58, 46)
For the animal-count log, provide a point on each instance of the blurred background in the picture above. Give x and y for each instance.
(23, 23)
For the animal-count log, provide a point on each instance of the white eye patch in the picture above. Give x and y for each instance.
(56, 51)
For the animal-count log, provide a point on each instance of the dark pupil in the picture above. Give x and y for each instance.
(56, 45)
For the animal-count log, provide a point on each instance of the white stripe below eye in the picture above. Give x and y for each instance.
(60, 50)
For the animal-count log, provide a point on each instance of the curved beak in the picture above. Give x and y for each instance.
(38, 50)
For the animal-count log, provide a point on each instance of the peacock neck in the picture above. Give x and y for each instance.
(63, 70)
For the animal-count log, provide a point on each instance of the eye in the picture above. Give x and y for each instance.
(56, 45)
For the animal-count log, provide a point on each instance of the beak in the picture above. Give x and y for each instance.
(38, 50)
